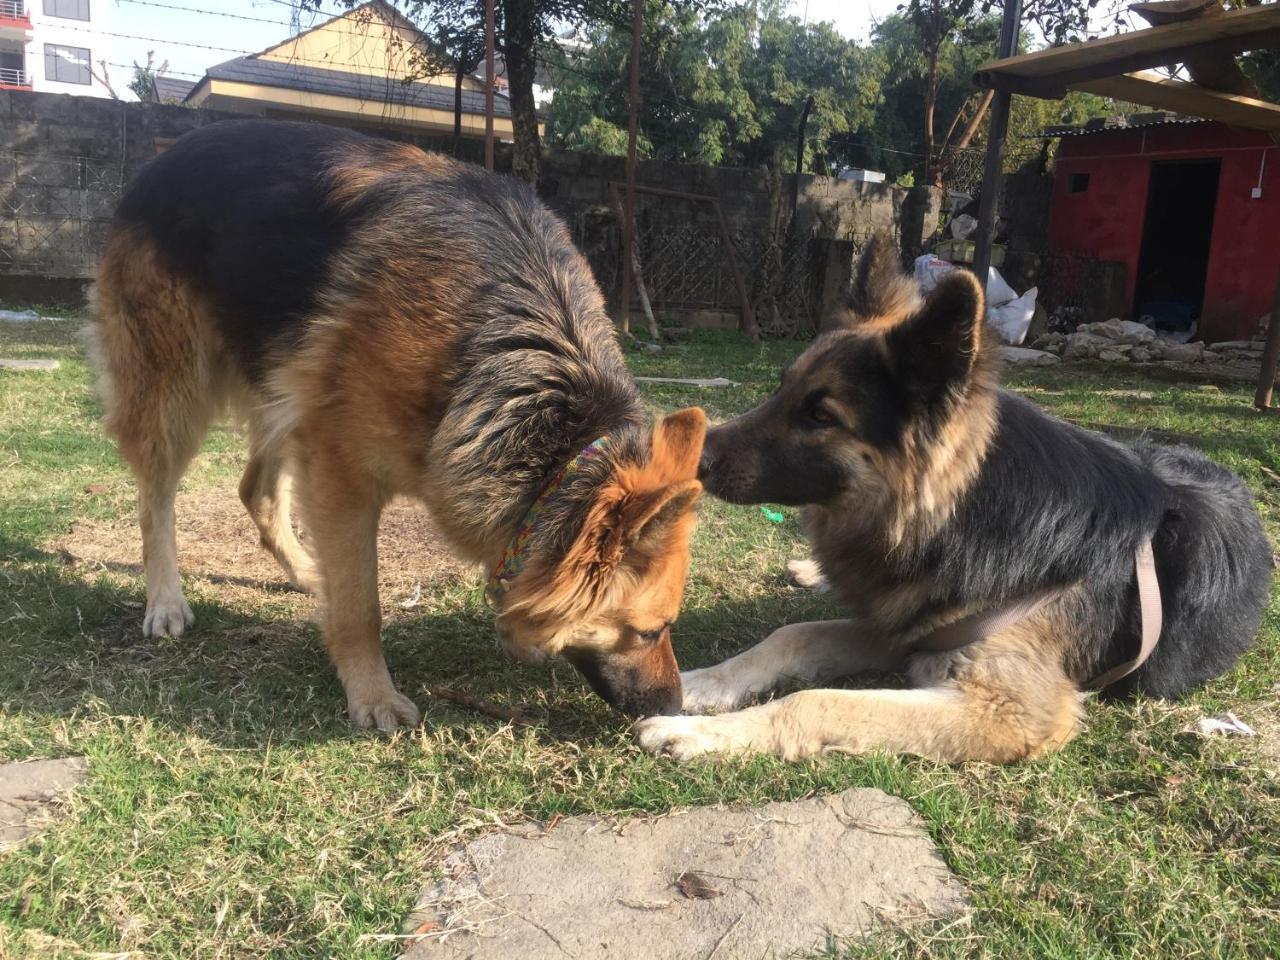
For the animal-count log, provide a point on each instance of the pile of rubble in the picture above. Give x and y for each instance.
(1124, 341)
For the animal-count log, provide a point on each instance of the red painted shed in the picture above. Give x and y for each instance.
(1190, 207)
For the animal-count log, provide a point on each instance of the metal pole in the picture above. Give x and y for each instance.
(994, 165)
(804, 122)
(629, 213)
(490, 28)
(1270, 358)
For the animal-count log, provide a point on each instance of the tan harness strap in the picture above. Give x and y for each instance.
(978, 626)
(1152, 612)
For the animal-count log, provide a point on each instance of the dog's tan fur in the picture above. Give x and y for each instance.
(1002, 699)
(358, 412)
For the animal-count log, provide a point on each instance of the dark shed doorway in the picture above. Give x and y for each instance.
(1177, 229)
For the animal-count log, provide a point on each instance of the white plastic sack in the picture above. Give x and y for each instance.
(963, 226)
(998, 291)
(928, 270)
(1009, 313)
(1012, 319)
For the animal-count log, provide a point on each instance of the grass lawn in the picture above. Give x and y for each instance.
(231, 811)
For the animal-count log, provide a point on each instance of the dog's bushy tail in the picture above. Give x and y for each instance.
(1214, 562)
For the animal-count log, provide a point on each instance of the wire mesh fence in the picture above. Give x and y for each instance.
(685, 268)
(964, 173)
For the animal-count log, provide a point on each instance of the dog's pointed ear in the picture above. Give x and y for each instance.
(655, 517)
(634, 518)
(880, 295)
(934, 352)
(662, 493)
(677, 445)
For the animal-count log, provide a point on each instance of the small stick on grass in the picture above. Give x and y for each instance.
(487, 707)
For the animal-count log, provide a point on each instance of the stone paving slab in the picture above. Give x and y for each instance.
(710, 883)
(28, 791)
(9, 364)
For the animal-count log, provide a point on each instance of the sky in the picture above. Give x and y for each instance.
(195, 34)
(854, 19)
(183, 36)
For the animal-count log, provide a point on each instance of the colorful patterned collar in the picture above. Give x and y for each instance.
(513, 558)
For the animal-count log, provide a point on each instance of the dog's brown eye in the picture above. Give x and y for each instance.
(819, 414)
(815, 410)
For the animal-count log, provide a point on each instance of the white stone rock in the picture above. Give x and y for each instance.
(1183, 352)
(1111, 329)
(1132, 332)
(1082, 345)
(1026, 357)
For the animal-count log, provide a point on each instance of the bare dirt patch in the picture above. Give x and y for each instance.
(218, 544)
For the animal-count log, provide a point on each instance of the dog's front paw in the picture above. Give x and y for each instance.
(808, 574)
(711, 691)
(385, 710)
(167, 616)
(681, 738)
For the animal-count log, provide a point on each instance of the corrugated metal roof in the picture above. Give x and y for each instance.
(340, 83)
(1114, 124)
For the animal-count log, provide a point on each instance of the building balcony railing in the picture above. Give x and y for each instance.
(10, 77)
(14, 13)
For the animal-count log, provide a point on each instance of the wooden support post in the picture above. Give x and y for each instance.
(1153, 90)
(490, 28)
(1270, 358)
(994, 164)
(1049, 73)
(629, 207)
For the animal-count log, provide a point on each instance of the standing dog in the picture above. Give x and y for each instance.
(391, 322)
(996, 555)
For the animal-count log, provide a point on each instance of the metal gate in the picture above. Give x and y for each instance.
(54, 212)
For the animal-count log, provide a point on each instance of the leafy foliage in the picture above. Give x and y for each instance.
(728, 87)
(723, 88)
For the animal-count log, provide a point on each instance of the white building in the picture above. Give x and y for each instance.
(54, 46)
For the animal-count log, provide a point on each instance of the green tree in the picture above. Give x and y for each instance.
(722, 88)
(144, 76)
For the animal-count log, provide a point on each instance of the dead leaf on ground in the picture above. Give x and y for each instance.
(697, 887)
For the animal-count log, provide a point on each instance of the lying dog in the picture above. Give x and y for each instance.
(391, 322)
(998, 556)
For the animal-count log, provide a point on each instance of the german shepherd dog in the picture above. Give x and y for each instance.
(391, 322)
(930, 496)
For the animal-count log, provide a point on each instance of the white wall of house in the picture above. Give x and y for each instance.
(67, 42)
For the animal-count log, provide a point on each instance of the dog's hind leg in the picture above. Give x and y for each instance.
(266, 492)
(811, 652)
(160, 389)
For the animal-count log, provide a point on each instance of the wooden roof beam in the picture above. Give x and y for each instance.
(1050, 73)
(1151, 89)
